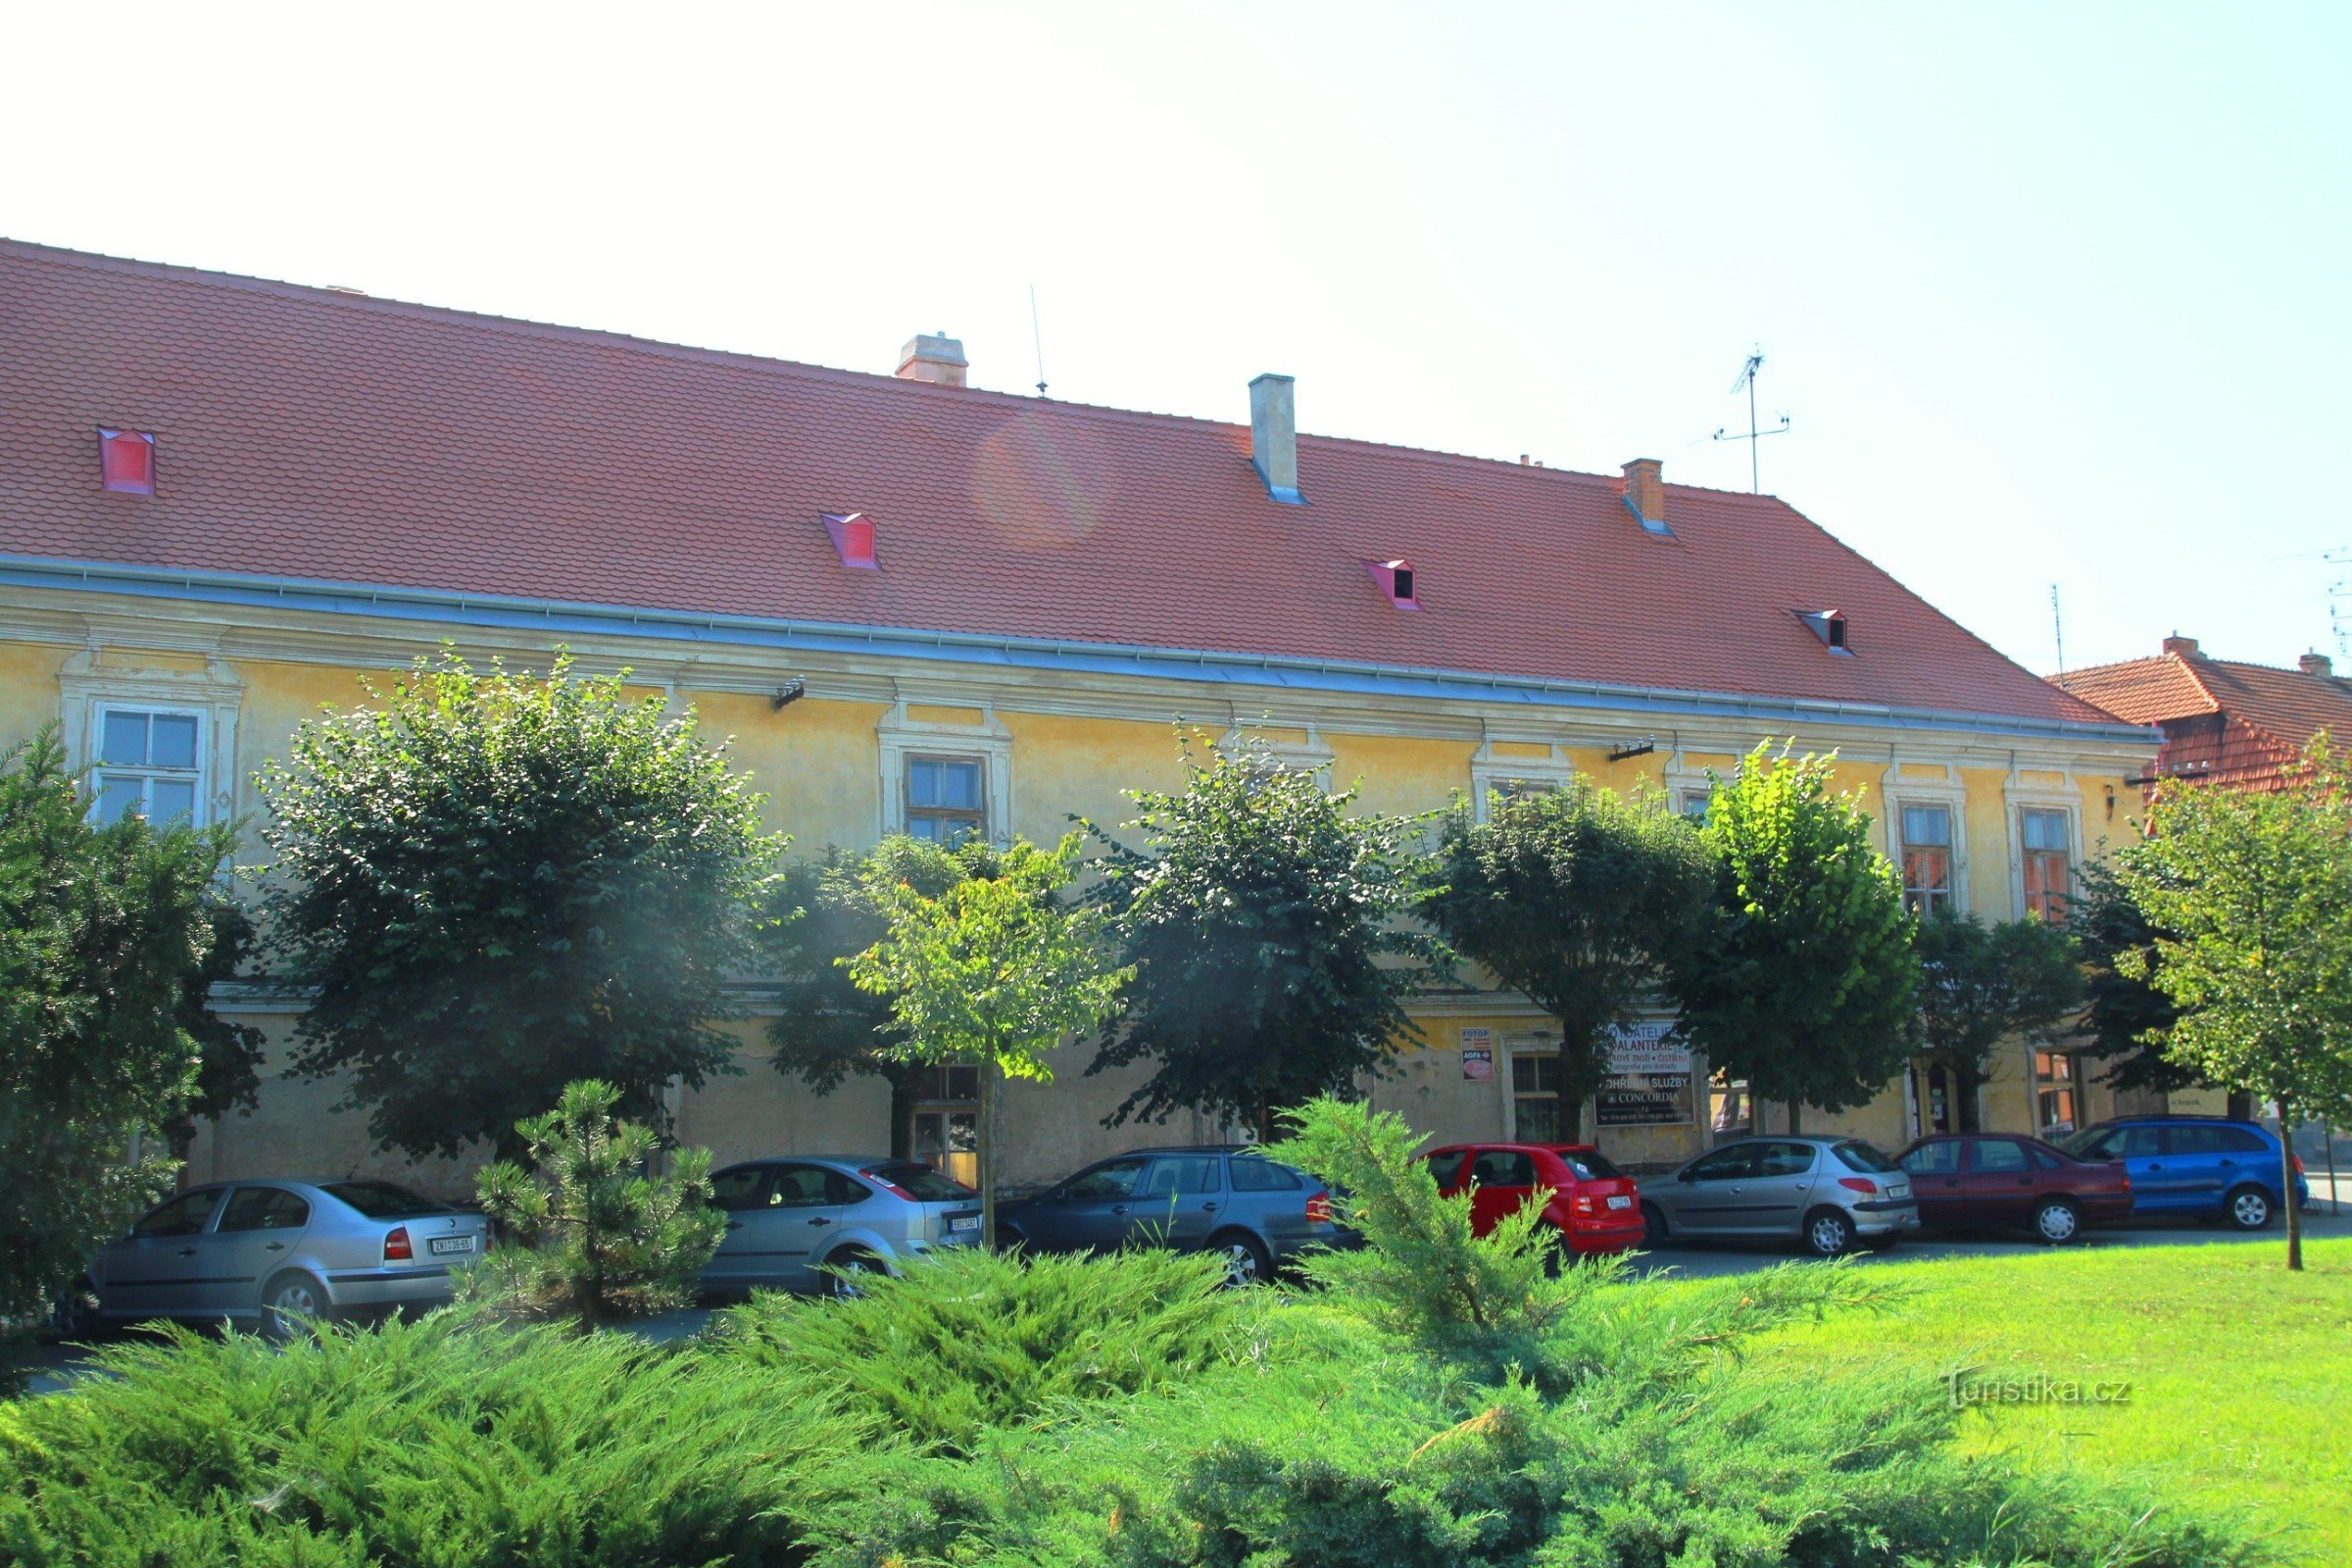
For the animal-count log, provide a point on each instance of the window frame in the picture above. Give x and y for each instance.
(911, 813)
(1491, 774)
(902, 739)
(1534, 1045)
(1920, 897)
(149, 774)
(2070, 816)
(89, 690)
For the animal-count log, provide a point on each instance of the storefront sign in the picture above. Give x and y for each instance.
(1478, 1053)
(1649, 1078)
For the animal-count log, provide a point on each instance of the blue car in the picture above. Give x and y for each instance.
(1225, 1198)
(2195, 1167)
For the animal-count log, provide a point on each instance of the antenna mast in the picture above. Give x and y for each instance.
(2058, 630)
(1747, 382)
(1037, 338)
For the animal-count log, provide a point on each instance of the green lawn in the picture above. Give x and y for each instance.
(2241, 1372)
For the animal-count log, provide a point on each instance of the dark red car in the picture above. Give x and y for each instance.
(1990, 1181)
(1594, 1208)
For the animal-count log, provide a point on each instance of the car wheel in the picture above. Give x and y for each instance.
(2247, 1209)
(1247, 1261)
(1653, 1226)
(848, 1283)
(76, 1318)
(2057, 1222)
(293, 1306)
(1829, 1233)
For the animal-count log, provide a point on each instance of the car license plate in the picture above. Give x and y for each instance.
(1899, 1190)
(1619, 1201)
(963, 1222)
(442, 1246)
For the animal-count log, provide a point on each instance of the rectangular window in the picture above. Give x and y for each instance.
(1731, 1113)
(945, 803)
(2049, 862)
(1693, 804)
(1928, 857)
(1535, 1097)
(2057, 1111)
(148, 764)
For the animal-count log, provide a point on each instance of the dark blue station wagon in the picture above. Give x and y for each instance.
(1229, 1198)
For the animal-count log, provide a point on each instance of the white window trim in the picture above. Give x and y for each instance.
(1312, 755)
(88, 690)
(2019, 797)
(989, 743)
(1948, 791)
(1489, 772)
(1682, 780)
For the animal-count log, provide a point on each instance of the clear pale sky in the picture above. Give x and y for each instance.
(2053, 294)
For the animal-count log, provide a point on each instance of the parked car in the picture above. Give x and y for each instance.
(1593, 1206)
(790, 1220)
(1994, 1181)
(272, 1253)
(1229, 1198)
(2195, 1167)
(1829, 1193)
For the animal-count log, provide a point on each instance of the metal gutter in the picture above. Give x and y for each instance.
(558, 616)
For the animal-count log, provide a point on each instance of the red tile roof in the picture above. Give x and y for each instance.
(311, 433)
(2225, 721)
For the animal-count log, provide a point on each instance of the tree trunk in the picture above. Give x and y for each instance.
(1793, 1118)
(989, 1076)
(2286, 1184)
(901, 1115)
(1966, 1082)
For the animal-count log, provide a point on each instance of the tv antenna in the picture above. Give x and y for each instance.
(2339, 612)
(1747, 382)
(2058, 631)
(1037, 338)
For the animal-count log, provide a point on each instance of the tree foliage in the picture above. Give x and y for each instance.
(599, 1239)
(2125, 1015)
(228, 1055)
(1271, 939)
(2250, 896)
(494, 884)
(104, 935)
(1983, 983)
(1803, 978)
(1577, 899)
(828, 909)
(993, 971)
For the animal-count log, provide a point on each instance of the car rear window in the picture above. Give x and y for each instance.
(927, 1184)
(382, 1199)
(1587, 1164)
(1254, 1173)
(1859, 1155)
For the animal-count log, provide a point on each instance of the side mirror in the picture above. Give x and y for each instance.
(1685, 1175)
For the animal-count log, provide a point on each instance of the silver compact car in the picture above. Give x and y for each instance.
(272, 1253)
(1828, 1193)
(790, 1220)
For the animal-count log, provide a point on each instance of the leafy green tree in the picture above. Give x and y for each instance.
(993, 973)
(1803, 978)
(104, 930)
(496, 884)
(1577, 899)
(1270, 938)
(2250, 896)
(228, 1056)
(2125, 1017)
(1983, 983)
(599, 1239)
(831, 908)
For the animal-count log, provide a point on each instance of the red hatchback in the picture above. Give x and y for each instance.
(1594, 1208)
(1993, 1182)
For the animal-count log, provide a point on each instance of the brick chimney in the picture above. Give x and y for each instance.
(1646, 493)
(1274, 436)
(2315, 665)
(2186, 647)
(933, 357)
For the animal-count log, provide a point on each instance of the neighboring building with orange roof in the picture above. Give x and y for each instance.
(2226, 722)
(224, 500)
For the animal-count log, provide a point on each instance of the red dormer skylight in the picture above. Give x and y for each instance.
(1395, 579)
(126, 462)
(853, 538)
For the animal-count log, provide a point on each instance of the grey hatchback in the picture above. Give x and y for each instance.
(1227, 1199)
(1825, 1191)
(272, 1253)
(791, 1222)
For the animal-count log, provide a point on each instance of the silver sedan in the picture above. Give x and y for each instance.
(271, 1255)
(1828, 1193)
(806, 1223)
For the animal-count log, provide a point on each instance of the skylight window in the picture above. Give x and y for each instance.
(1831, 626)
(1395, 579)
(126, 462)
(852, 535)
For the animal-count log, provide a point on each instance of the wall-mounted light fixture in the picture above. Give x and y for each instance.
(792, 691)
